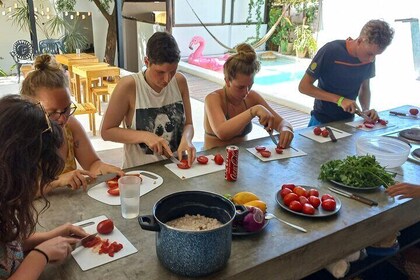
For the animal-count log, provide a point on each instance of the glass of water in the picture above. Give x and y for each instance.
(78, 52)
(130, 196)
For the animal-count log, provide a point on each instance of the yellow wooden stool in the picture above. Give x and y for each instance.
(90, 109)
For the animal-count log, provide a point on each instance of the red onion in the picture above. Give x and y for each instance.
(254, 220)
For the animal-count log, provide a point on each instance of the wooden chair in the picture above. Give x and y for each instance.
(90, 109)
(103, 91)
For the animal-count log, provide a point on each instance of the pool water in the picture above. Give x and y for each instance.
(278, 77)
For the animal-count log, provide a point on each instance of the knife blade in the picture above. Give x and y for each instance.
(354, 196)
(331, 134)
(363, 115)
(175, 160)
(403, 114)
(85, 239)
(273, 138)
(101, 178)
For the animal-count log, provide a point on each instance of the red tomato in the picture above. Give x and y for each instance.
(328, 204)
(202, 159)
(92, 243)
(265, 154)
(183, 164)
(289, 198)
(308, 209)
(288, 186)
(303, 200)
(314, 201)
(325, 133)
(295, 206)
(313, 192)
(327, 196)
(279, 150)
(317, 130)
(114, 191)
(369, 125)
(382, 122)
(105, 227)
(260, 148)
(113, 183)
(285, 192)
(300, 191)
(218, 159)
(414, 111)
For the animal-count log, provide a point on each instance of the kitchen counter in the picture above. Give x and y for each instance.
(278, 252)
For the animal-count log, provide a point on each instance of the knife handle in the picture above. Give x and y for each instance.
(365, 200)
(331, 134)
(397, 113)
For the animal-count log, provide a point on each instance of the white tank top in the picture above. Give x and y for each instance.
(160, 113)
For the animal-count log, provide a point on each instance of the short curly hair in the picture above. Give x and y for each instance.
(162, 48)
(377, 32)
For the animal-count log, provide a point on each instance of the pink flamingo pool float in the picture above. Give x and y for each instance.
(197, 58)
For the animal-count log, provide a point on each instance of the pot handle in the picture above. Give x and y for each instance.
(240, 215)
(148, 223)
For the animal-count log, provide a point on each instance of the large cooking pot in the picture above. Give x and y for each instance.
(186, 252)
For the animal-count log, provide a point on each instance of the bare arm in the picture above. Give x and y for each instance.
(405, 190)
(121, 108)
(364, 99)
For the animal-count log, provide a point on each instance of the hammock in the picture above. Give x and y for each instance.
(257, 44)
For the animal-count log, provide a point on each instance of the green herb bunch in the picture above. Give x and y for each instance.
(357, 171)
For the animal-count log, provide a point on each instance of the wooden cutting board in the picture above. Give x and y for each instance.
(359, 125)
(309, 133)
(196, 169)
(287, 153)
(150, 182)
(87, 259)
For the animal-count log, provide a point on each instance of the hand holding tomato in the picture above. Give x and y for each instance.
(285, 137)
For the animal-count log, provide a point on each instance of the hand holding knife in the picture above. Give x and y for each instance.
(354, 196)
(363, 115)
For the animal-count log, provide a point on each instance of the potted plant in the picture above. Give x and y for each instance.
(304, 41)
(281, 37)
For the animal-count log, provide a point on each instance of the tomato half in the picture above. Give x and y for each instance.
(260, 148)
(113, 183)
(115, 191)
(218, 159)
(105, 226)
(183, 164)
(369, 125)
(279, 150)
(92, 243)
(265, 154)
(202, 159)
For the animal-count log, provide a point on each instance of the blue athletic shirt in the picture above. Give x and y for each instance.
(340, 73)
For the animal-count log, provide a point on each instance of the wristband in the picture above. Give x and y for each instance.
(43, 253)
(340, 100)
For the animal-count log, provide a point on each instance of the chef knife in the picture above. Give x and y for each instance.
(331, 134)
(363, 115)
(175, 160)
(354, 196)
(273, 138)
(403, 114)
(101, 178)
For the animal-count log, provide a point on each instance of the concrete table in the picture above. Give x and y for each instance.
(279, 252)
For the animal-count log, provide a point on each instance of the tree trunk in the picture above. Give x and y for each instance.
(111, 41)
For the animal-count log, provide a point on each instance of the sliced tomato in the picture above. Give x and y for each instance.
(183, 164)
(369, 125)
(92, 243)
(279, 150)
(265, 154)
(113, 183)
(218, 159)
(260, 148)
(202, 159)
(115, 191)
(382, 122)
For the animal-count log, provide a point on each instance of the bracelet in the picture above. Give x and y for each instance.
(43, 253)
(340, 100)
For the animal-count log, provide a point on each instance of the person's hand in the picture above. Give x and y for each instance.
(57, 248)
(68, 230)
(189, 148)
(405, 190)
(265, 117)
(349, 105)
(76, 179)
(372, 114)
(157, 144)
(105, 168)
(285, 137)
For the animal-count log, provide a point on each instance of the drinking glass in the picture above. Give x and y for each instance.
(130, 196)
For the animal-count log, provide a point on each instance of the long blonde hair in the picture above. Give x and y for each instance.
(243, 62)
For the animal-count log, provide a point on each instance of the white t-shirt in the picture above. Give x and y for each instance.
(160, 113)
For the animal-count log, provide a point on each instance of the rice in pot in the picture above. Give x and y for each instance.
(194, 222)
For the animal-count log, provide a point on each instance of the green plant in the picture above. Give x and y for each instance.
(304, 39)
(257, 5)
(283, 30)
(73, 39)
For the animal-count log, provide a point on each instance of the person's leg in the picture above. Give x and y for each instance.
(313, 121)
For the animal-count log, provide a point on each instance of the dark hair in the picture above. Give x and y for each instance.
(29, 161)
(243, 62)
(47, 73)
(162, 48)
(378, 32)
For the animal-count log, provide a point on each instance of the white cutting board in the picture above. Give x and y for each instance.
(86, 258)
(196, 169)
(287, 153)
(150, 182)
(309, 133)
(359, 124)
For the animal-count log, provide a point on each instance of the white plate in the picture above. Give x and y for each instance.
(150, 182)
(287, 153)
(87, 259)
(309, 133)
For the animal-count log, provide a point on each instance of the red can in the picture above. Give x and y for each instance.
(231, 163)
